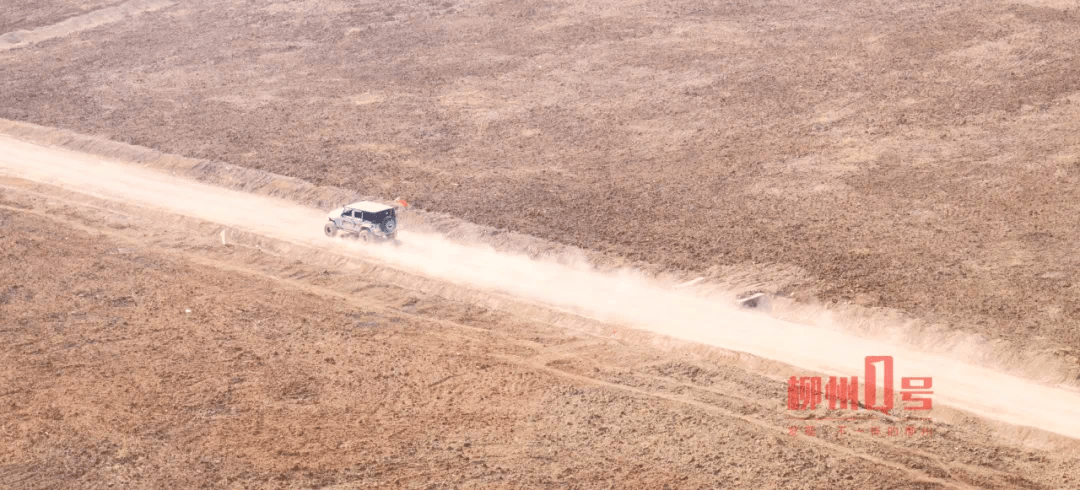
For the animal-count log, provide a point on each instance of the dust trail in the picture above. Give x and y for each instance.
(82, 22)
(624, 297)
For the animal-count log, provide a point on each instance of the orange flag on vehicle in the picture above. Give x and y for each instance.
(403, 203)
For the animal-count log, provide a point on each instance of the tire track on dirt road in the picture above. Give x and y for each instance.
(627, 298)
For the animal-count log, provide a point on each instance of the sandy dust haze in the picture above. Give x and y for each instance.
(622, 298)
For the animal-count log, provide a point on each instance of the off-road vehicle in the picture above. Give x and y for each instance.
(365, 221)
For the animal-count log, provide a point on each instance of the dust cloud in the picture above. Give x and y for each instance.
(623, 297)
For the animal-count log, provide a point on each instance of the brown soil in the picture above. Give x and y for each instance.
(916, 155)
(922, 156)
(141, 352)
(18, 15)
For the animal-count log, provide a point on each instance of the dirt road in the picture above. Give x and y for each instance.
(622, 298)
(100, 249)
(176, 319)
(917, 155)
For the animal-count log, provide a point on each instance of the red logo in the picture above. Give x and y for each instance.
(804, 393)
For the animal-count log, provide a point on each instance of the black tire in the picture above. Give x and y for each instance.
(330, 229)
(365, 236)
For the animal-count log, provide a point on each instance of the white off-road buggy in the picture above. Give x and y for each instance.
(365, 221)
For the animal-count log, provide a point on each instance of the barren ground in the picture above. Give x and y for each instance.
(18, 15)
(919, 156)
(141, 351)
(916, 155)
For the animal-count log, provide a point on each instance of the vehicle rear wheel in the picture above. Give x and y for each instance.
(389, 226)
(330, 229)
(365, 236)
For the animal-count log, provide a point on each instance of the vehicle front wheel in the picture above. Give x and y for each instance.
(330, 229)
